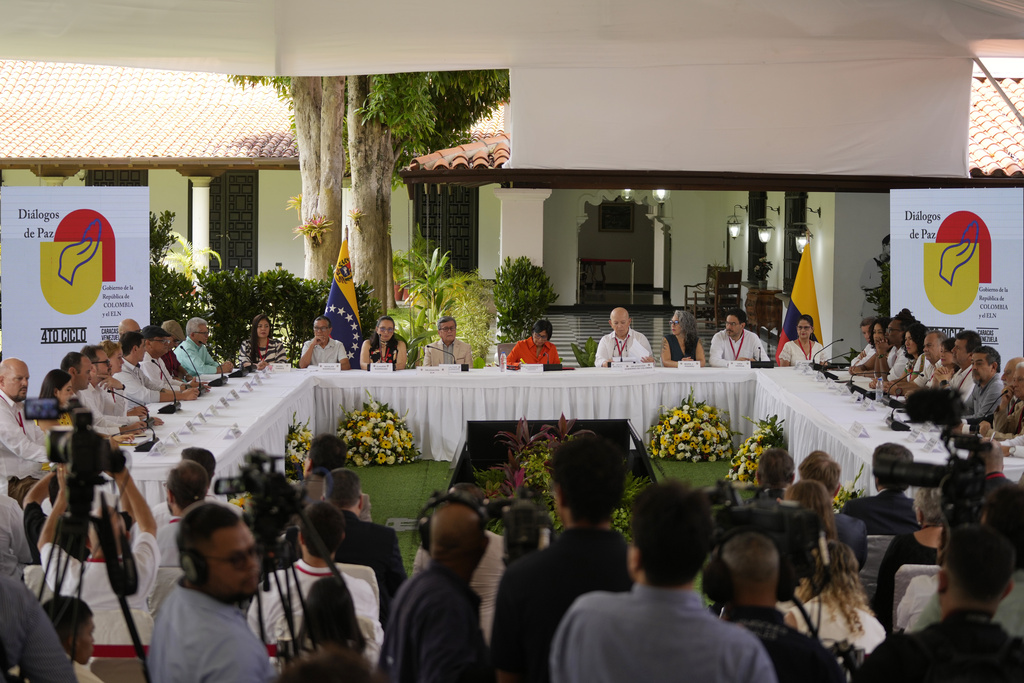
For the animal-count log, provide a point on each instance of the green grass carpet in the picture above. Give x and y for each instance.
(399, 492)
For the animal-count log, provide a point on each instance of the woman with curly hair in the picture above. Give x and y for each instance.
(913, 347)
(840, 610)
(682, 342)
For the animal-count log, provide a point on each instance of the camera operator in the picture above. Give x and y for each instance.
(967, 644)
(775, 472)
(200, 633)
(1004, 512)
(96, 589)
(186, 485)
(753, 562)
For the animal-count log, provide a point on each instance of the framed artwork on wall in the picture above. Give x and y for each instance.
(615, 217)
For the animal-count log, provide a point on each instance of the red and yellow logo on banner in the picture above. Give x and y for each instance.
(74, 266)
(957, 263)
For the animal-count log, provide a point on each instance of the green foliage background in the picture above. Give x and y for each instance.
(522, 294)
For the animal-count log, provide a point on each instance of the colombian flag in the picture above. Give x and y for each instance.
(342, 310)
(803, 302)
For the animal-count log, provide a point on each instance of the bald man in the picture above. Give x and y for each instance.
(433, 633)
(1009, 367)
(1008, 419)
(22, 449)
(127, 325)
(623, 343)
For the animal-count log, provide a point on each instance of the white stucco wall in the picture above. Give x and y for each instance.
(862, 221)
(276, 243)
(488, 238)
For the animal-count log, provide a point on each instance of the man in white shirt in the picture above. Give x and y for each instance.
(963, 381)
(735, 342)
(447, 349)
(322, 348)
(22, 443)
(326, 521)
(157, 343)
(869, 349)
(162, 511)
(83, 373)
(136, 386)
(932, 357)
(623, 343)
(186, 485)
(96, 590)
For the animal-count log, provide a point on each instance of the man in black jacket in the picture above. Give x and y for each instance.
(890, 512)
(366, 543)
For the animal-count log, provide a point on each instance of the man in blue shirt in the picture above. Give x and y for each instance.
(193, 353)
(200, 632)
(660, 629)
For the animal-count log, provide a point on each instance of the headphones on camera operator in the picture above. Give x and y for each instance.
(717, 581)
(438, 499)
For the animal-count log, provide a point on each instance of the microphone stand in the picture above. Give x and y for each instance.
(173, 407)
(819, 366)
(196, 373)
(146, 446)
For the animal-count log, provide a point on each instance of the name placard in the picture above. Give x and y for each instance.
(224, 401)
(279, 367)
(688, 364)
(631, 366)
(200, 418)
(430, 369)
(450, 368)
(330, 367)
(189, 428)
(382, 367)
(739, 365)
(174, 437)
(857, 431)
(531, 367)
(212, 411)
(802, 364)
(234, 395)
(247, 387)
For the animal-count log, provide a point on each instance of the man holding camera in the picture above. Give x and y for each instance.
(22, 449)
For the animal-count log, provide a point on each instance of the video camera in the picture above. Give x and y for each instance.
(961, 480)
(794, 529)
(274, 500)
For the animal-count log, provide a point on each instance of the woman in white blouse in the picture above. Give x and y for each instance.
(803, 347)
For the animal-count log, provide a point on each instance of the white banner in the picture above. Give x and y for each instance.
(956, 261)
(75, 261)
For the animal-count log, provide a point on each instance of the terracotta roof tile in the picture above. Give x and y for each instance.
(52, 110)
(996, 145)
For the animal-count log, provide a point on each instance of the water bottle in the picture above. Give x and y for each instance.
(878, 391)
(503, 362)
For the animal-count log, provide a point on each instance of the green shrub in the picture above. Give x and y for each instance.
(522, 294)
(474, 311)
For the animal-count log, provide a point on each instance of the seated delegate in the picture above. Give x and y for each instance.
(260, 349)
(383, 346)
(803, 347)
(623, 343)
(538, 348)
(447, 350)
(682, 342)
(321, 348)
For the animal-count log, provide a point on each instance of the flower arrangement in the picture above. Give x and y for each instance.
(529, 466)
(848, 492)
(376, 435)
(761, 268)
(242, 500)
(694, 431)
(296, 448)
(767, 434)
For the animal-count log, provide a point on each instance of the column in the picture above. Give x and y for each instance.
(200, 219)
(522, 224)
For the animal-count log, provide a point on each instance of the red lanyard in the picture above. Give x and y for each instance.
(620, 350)
(261, 355)
(385, 354)
(20, 423)
(964, 379)
(735, 351)
(810, 347)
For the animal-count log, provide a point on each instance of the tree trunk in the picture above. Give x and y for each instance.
(319, 104)
(372, 161)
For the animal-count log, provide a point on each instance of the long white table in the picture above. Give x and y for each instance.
(437, 407)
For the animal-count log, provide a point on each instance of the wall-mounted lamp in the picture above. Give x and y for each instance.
(816, 211)
(627, 195)
(764, 232)
(734, 222)
(802, 241)
(661, 196)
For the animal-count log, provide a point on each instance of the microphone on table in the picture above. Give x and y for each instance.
(822, 350)
(195, 371)
(145, 446)
(444, 351)
(173, 407)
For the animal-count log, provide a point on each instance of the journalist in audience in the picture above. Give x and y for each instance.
(95, 588)
(889, 512)
(660, 629)
(200, 632)
(538, 349)
(812, 495)
(330, 665)
(29, 639)
(161, 511)
(775, 473)
(919, 547)
(682, 342)
(588, 475)
(1003, 511)
(72, 619)
(186, 485)
(260, 349)
(819, 466)
(974, 580)
(383, 346)
(331, 618)
(836, 603)
(15, 551)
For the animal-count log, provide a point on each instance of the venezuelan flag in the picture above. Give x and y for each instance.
(342, 310)
(803, 302)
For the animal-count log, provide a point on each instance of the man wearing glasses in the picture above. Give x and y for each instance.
(448, 350)
(193, 354)
(735, 342)
(157, 343)
(200, 633)
(322, 348)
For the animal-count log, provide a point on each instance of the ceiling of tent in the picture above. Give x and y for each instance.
(332, 37)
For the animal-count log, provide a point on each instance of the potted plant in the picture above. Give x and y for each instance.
(760, 272)
(522, 294)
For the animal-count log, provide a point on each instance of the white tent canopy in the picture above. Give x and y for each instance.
(823, 86)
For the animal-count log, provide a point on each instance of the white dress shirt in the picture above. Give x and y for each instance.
(791, 352)
(135, 384)
(363, 599)
(724, 349)
(633, 348)
(96, 589)
(155, 374)
(963, 382)
(167, 541)
(898, 365)
(107, 416)
(334, 352)
(22, 443)
(869, 353)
